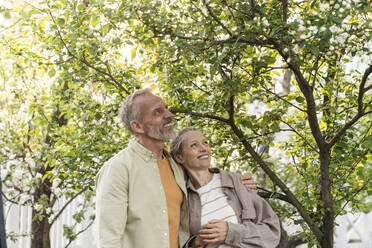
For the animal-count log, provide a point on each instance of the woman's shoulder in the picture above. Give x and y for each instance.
(231, 176)
(231, 179)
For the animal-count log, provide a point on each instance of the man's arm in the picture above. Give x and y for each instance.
(111, 205)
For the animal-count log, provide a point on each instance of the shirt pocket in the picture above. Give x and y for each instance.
(248, 214)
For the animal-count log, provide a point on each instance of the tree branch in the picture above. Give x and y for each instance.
(283, 99)
(361, 110)
(285, 10)
(302, 137)
(301, 209)
(362, 89)
(352, 197)
(292, 198)
(226, 158)
(253, 8)
(66, 204)
(209, 116)
(307, 91)
(231, 109)
(10, 200)
(267, 194)
(81, 231)
(232, 13)
(293, 242)
(216, 19)
(354, 165)
(232, 40)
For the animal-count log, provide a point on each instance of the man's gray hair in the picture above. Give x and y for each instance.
(129, 111)
(176, 145)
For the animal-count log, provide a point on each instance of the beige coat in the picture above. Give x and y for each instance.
(258, 224)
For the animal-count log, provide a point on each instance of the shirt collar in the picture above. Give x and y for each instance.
(226, 180)
(145, 153)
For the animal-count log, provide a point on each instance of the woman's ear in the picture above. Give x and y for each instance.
(179, 158)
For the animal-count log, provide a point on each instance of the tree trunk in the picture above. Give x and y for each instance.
(40, 233)
(283, 243)
(2, 221)
(327, 199)
(41, 229)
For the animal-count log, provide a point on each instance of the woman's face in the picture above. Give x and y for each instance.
(196, 153)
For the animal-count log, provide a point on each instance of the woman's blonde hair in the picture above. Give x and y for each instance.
(176, 145)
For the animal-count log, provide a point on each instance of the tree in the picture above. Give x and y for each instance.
(217, 57)
(216, 60)
(57, 129)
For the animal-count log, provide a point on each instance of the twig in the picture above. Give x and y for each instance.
(216, 19)
(78, 233)
(66, 204)
(352, 197)
(209, 116)
(267, 194)
(307, 142)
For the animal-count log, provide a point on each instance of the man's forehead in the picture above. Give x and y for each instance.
(149, 101)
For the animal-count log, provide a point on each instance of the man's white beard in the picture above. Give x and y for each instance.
(159, 134)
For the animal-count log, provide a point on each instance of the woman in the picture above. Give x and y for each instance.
(223, 212)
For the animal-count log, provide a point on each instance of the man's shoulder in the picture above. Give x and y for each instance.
(116, 166)
(121, 158)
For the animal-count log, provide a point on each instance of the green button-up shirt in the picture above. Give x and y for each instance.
(131, 208)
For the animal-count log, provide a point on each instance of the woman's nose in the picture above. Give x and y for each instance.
(203, 147)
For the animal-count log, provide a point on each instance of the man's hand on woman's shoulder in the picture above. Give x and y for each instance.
(248, 181)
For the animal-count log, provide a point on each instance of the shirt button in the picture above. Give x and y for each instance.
(165, 234)
(164, 211)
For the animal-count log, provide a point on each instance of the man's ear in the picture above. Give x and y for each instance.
(179, 158)
(136, 127)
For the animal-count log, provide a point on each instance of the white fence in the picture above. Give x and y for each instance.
(18, 219)
(353, 230)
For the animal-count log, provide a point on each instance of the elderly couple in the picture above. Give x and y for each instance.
(147, 198)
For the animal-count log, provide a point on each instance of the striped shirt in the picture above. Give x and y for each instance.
(214, 204)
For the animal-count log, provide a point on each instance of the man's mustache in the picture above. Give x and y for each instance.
(167, 121)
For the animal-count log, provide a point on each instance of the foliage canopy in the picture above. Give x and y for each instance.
(215, 62)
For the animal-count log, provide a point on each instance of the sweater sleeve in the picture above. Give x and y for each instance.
(259, 226)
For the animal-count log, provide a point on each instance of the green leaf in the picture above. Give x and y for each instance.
(300, 99)
(52, 72)
(116, 41)
(60, 21)
(133, 53)
(94, 20)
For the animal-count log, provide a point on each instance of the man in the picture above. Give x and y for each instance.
(141, 191)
